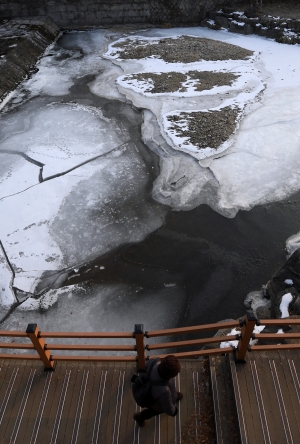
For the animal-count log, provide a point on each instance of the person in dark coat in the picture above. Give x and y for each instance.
(164, 394)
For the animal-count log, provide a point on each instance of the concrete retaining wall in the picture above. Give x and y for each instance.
(84, 13)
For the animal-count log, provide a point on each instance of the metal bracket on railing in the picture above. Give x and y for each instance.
(242, 322)
(238, 336)
(140, 347)
(258, 322)
(146, 334)
(147, 347)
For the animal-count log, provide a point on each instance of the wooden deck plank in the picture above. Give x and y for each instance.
(261, 402)
(248, 402)
(91, 414)
(70, 405)
(102, 423)
(46, 431)
(8, 378)
(109, 403)
(34, 397)
(269, 397)
(4, 365)
(11, 415)
(127, 421)
(289, 393)
(215, 385)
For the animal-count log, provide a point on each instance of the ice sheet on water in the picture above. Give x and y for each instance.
(107, 210)
(97, 307)
(78, 57)
(7, 297)
(19, 176)
(60, 136)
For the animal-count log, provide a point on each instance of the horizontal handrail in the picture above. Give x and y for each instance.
(188, 330)
(16, 345)
(86, 335)
(13, 333)
(274, 347)
(274, 322)
(45, 351)
(276, 335)
(191, 342)
(21, 356)
(95, 358)
(91, 347)
(195, 354)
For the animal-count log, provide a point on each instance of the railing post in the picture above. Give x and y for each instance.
(33, 334)
(246, 334)
(140, 347)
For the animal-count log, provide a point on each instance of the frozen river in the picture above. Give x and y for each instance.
(108, 218)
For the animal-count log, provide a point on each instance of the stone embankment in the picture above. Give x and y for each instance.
(70, 14)
(22, 43)
(266, 303)
(251, 22)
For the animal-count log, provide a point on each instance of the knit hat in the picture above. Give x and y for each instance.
(169, 367)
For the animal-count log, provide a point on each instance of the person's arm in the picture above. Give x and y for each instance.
(166, 402)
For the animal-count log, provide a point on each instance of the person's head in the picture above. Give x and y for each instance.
(169, 367)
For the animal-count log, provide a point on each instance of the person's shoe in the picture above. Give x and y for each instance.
(179, 396)
(141, 422)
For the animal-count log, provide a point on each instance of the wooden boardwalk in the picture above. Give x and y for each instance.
(267, 396)
(85, 403)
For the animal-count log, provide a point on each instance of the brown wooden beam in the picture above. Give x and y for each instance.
(246, 335)
(91, 347)
(191, 342)
(195, 354)
(13, 334)
(286, 321)
(196, 329)
(19, 356)
(276, 335)
(16, 345)
(274, 347)
(95, 358)
(39, 344)
(85, 335)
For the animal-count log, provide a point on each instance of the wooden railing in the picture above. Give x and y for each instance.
(139, 348)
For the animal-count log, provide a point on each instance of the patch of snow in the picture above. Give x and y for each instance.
(289, 282)
(292, 244)
(234, 331)
(285, 302)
